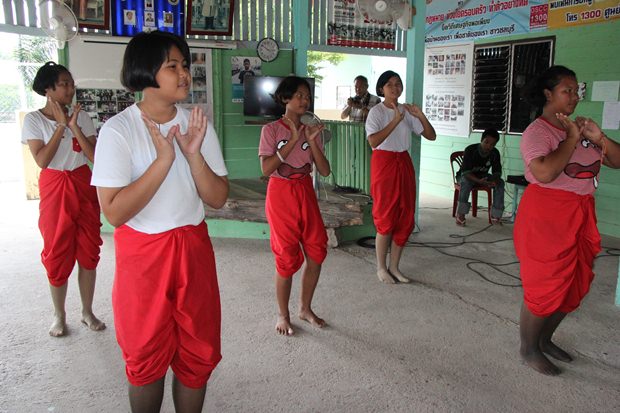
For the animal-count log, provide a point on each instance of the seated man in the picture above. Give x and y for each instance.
(479, 158)
(358, 106)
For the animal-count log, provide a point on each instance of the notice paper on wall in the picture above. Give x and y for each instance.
(611, 115)
(605, 91)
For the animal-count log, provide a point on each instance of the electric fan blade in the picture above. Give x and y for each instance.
(377, 11)
(58, 21)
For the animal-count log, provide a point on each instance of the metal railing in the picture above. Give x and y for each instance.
(348, 153)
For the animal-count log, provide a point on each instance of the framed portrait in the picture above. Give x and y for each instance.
(92, 14)
(210, 17)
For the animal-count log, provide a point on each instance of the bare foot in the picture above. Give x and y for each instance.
(540, 363)
(555, 351)
(58, 327)
(93, 322)
(309, 316)
(385, 276)
(283, 326)
(399, 276)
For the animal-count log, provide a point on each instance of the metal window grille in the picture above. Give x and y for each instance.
(500, 73)
(490, 87)
(256, 19)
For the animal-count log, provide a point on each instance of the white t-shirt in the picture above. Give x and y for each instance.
(124, 152)
(400, 138)
(38, 127)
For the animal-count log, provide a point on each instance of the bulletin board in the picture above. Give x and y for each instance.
(130, 17)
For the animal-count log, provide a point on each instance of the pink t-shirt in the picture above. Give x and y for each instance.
(579, 176)
(299, 161)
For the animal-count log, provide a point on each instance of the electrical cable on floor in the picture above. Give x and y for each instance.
(369, 242)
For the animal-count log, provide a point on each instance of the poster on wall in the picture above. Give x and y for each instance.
(130, 17)
(92, 14)
(201, 88)
(348, 27)
(241, 67)
(102, 104)
(447, 88)
(463, 21)
(210, 17)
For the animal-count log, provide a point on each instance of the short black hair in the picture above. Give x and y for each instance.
(534, 91)
(362, 78)
(384, 78)
(144, 55)
(287, 88)
(246, 60)
(491, 132)
(47, 76)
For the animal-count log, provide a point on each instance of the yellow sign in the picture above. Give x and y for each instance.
(569, 13)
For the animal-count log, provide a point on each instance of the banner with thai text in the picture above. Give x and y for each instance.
(348, 27)
(569, 13)
(454, 21)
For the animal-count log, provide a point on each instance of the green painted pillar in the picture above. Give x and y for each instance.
(415, 80)
(618, 286)
(218, 93)
(63, 55)
(301, 36)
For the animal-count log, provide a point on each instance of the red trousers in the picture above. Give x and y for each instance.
(69, 221)
(294, 221)
(166, 304)
(556, 241)
(392, 187)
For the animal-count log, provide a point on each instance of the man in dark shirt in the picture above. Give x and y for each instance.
(246, 71)
(479, 159)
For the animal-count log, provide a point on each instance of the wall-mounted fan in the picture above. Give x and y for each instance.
(387, 11)
(58, 21)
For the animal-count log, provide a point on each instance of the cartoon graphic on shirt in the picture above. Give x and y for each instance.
(579, 171)
(289, 171)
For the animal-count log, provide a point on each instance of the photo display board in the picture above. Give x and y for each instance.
(130, 17)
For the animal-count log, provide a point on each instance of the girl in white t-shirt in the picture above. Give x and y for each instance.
(61, 143)
(287, 151)
(392, 177)
(155, 166)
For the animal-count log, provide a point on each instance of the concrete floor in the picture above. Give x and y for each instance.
(448, 342)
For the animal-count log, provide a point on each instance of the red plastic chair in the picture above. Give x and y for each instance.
(457, 158)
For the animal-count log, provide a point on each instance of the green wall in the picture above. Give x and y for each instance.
(593, 53)
(240, 140)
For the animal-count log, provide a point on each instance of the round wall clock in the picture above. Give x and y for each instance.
(267, 49)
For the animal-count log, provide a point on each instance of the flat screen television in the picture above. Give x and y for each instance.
(258, 96)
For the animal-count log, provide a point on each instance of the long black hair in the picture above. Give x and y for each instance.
(534, 91)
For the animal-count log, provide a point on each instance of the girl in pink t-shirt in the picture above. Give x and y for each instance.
(287, 151)
(555, 233)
